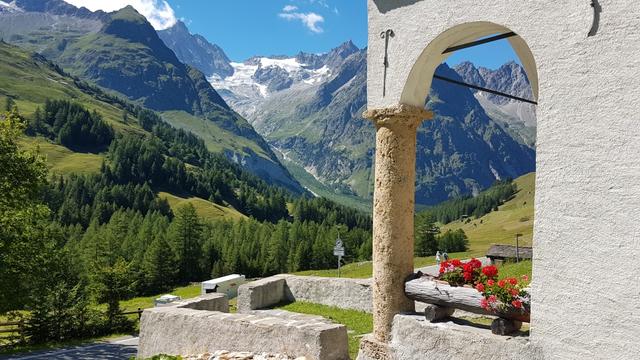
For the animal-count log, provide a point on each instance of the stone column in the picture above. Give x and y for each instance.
(393, 211)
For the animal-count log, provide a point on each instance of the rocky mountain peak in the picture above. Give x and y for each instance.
(180, 27)
(196, 51)
(129, 24)
(518, 118)
(468, 71)
(336, 56)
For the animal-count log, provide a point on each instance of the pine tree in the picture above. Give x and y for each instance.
(9, 104)
(159, 266)
(426, 243)
(23, 241)
(111, 284)
(186, 237)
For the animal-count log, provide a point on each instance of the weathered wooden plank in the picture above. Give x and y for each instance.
(424, 289)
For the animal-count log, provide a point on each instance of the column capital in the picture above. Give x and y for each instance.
(398, 114)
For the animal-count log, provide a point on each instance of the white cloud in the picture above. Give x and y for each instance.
(158, 12)
(289, 8)
(311, 20)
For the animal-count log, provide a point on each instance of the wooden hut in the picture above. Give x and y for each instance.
(499, 253)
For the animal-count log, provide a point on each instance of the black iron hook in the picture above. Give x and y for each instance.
(597, 9)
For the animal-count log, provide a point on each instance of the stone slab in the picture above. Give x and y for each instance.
(261, 293)
(415, 338)
(345, 293)
(183, 331)
(210, 302)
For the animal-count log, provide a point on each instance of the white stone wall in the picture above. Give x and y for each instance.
(586, 292)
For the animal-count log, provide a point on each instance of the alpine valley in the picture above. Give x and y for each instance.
(305, 108)
(137, 162)
(308, 107)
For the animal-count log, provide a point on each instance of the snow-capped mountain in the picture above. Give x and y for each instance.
(9, 7)
(261, 77)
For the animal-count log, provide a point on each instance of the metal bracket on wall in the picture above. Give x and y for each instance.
(386, 35)
(597, 9)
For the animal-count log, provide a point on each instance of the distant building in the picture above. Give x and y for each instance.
(500, 253)
(226, 285)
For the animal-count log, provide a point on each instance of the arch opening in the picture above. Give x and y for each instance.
(418, 83)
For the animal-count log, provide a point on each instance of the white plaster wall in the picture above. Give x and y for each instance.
(586, 291)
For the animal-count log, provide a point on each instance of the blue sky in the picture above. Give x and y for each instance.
(244, 28)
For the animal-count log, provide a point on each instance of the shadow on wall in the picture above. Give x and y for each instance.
(388, 5)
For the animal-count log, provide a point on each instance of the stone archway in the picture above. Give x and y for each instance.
(418, 82)
(394, 192)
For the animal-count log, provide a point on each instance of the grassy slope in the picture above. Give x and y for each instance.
(500, 227)
(216, 138)
(144, 302)
(206, 210)
(496, 227)
(62, 160)
(30, 83)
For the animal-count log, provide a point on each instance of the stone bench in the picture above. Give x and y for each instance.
(183, 330)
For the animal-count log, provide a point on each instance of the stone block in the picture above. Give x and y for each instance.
(209, 302)
(354, 294)
(261, 294)
(413, 337)
(184, 331)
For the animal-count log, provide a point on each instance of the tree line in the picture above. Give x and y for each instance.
(71, 125)
(473, 206)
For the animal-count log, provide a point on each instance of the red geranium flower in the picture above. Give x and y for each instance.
(525, 278)
(517, 304)
(456, 263)
(492, 298)
(480, 287)
(468, 267)
(501, 283)
(490, 271)
(515, 292)
(490, 282)
(467, 276)
(484, 304)
(513, 281)
(475, 263)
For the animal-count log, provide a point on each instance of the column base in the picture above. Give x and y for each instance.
(372, 349)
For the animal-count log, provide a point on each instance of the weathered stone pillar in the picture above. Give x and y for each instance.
(393, 210)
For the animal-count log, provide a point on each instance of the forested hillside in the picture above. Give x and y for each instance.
(105, 235)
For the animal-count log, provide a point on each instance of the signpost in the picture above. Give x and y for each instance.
(338, 250)
(518, 247)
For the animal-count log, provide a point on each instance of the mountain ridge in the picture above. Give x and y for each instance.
(319, 128)
(516, 117)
